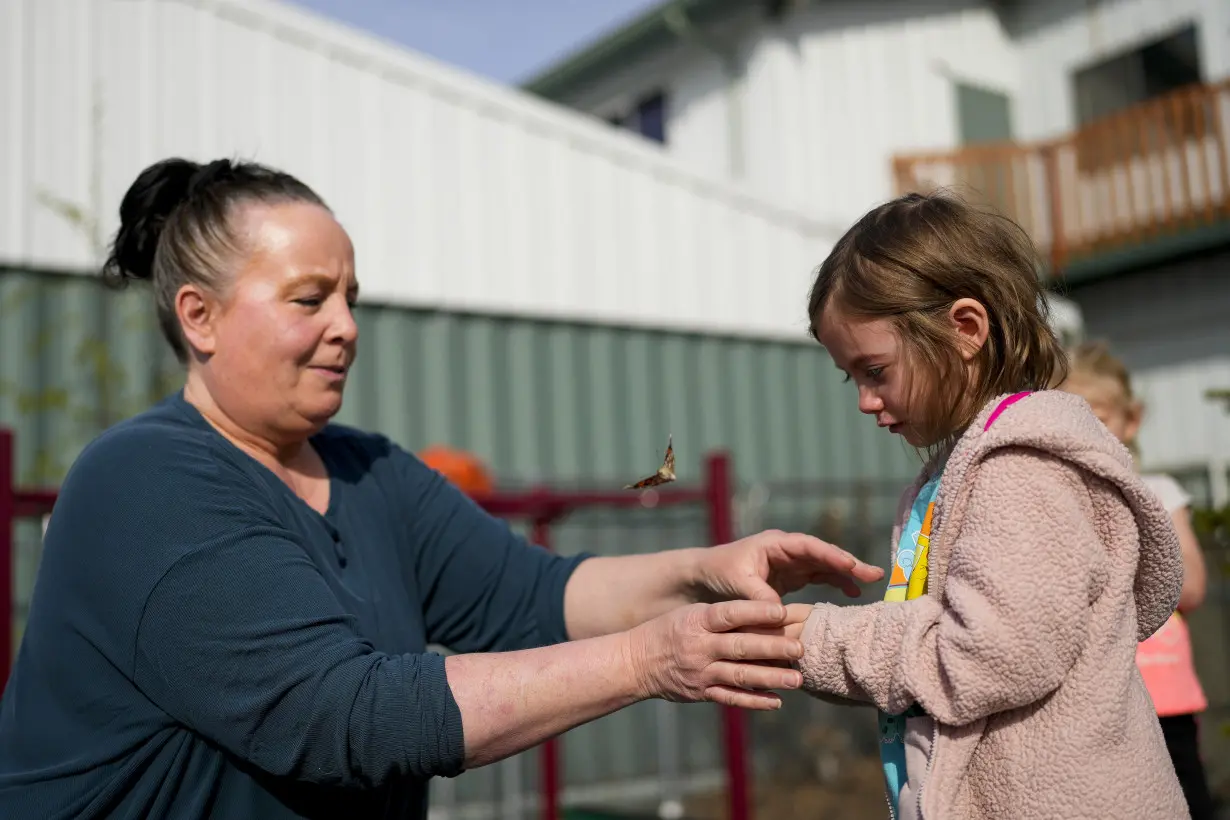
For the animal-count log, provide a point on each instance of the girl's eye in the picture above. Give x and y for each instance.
(845, 378)
(875, 372)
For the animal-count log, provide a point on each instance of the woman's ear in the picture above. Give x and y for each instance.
(197, 313)
(969, 320)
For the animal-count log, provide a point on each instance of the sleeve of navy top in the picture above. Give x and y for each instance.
(241, 639)
(483, 587)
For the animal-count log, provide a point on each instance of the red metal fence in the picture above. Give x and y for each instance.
(540, 508)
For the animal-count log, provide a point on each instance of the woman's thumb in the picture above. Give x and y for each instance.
(757, 589)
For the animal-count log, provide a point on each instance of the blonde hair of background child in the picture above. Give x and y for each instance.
(908, 261)
(1094, 359)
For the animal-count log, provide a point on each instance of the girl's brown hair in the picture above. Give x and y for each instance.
(908, 261)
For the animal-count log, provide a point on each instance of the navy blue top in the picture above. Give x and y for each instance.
(201, 643)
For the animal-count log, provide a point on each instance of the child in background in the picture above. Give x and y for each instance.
(1028, 559)
(1165, 659)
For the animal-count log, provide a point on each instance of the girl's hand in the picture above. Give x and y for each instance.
(730, 653)
(791, 626)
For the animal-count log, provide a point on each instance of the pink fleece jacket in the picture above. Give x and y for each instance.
(1049, 561)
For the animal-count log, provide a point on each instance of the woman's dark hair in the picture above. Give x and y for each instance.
(176, 227)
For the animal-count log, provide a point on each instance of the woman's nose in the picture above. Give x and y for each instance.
(344, 329)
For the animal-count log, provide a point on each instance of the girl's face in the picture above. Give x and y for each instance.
(870, 352)
(871, 355)
(1110, 403)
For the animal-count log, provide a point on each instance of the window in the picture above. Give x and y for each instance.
(1131, 79)
(1196, 481)
(983, 115)
(647, 117)
(1154, 69)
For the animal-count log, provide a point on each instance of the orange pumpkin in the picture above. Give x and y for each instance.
(462, 468)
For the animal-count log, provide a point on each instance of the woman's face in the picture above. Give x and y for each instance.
(275, 346)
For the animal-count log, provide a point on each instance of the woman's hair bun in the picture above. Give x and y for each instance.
(150, 200)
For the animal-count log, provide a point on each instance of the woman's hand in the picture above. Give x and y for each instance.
(611, 594)
(727, 653)
(772, 563)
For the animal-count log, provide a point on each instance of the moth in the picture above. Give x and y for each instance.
(664, 475)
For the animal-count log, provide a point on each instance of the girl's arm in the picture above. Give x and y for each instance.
(1020, 579)
(1194, 573)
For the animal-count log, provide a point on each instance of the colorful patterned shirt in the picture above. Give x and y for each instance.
(907, 581)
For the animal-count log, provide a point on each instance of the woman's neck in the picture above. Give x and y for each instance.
(277, 454)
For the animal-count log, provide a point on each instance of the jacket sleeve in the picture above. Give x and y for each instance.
(1014, 612)
(243, 641)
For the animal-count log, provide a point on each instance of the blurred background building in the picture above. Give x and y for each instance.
(556, 276)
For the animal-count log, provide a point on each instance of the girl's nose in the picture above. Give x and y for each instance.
(868, 401)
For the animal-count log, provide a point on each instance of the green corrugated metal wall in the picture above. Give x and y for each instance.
(540, 401)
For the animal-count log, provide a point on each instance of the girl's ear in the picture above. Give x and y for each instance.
(970, 321)
(1133, 416)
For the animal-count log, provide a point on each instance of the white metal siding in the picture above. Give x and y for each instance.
(1058, 37)
(458, 193)
(849, 84)
(829, 95)
(1169, 325)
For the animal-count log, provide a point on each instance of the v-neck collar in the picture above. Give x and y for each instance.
(328, 518)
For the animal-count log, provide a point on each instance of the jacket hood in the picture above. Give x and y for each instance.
(1064, 426)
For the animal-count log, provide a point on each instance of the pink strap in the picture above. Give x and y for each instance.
(1004, 405)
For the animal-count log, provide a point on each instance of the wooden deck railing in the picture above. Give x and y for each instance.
(1154, 169)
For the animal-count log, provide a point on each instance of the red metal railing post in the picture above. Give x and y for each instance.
(549, 764)
(719, 487)
(8, 516)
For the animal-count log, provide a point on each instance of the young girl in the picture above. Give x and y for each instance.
(1165, 659)
(1029, 558)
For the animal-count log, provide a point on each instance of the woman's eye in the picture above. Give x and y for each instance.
(308, 302)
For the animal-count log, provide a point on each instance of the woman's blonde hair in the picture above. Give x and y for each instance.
(908, 261)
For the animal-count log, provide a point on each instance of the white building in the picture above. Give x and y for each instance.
(460, 194)
(826, 107)
(808, 101)
(550, 294)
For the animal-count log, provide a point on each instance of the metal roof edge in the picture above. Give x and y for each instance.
(640, 35)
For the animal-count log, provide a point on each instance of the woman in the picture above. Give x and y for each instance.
(235, 597)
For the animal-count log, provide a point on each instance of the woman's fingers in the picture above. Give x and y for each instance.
(743, 699)
(843, 582)
(750, 646)
(748, 676)
(728, 615)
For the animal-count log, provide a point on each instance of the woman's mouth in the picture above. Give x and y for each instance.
(331, 372)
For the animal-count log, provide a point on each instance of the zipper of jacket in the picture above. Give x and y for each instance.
(935, 735)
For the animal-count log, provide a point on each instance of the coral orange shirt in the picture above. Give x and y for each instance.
(1165, 657)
